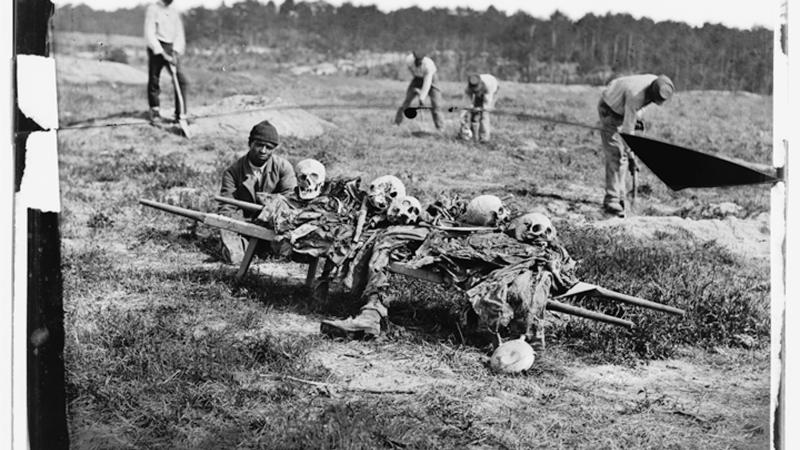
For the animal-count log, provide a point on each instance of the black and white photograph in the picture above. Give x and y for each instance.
(407, 224)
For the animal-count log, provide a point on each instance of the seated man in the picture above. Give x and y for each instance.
(260, 171)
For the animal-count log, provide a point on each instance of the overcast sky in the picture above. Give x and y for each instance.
(741, 14)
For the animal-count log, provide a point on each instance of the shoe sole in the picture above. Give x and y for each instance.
(331, 330)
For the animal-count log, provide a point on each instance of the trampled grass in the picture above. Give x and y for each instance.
(724, 298)
(163, 351)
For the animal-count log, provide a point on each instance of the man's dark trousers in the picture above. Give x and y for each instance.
(154, 65)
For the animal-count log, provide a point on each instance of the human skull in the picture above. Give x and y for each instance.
(532, 227)
(310, 178)
(513, 356)
(485, 211)
(404, 211)
(384, 190)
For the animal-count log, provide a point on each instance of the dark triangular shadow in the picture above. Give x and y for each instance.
(680, 167)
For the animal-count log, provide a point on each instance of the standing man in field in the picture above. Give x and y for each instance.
(620, 108)
(424, 85)
(163, 32)
(482, 92)
(259, 171)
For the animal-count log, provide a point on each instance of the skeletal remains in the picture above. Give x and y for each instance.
(532, 227)
(387, 195)
(486, 211)
(385, 190)
(404, 211)
(310, 178)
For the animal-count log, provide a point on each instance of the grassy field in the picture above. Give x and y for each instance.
(162, 352)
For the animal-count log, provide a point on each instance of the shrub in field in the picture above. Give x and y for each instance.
(160, 172)
(166, 171)
(116, 54)
(86, 267)
(100, 220)
(726, 300)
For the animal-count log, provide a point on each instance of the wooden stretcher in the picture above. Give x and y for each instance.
(256, 234)
(581, 288)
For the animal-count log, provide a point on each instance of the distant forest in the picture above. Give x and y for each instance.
(514, 47)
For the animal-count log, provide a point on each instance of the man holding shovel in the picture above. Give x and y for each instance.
(620, 109)
(163, 32)
(424, 85)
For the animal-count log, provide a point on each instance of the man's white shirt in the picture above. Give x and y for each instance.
(163, 23)
(626, 96)
(490, 82)
(428, 67)
(425, 71)
(258, 172)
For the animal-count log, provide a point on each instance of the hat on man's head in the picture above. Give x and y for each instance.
(473, 80)
(264, 132)
(663, 87)
(418, 55)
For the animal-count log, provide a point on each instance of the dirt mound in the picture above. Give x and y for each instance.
(82, 70)
(236, 115)
(748, 238)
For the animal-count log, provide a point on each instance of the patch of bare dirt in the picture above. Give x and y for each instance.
(285, 271)
(747, 238)
(285, 323)
(236, 115)
(85, 71)
(391, 368)
(699, 391)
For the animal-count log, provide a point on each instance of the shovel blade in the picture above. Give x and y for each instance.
(410, 113)
(184, 126)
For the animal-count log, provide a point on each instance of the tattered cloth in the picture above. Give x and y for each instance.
(507, 282)
(321, 227)
(393, 244)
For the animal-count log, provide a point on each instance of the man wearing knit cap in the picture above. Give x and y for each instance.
(260, 171)
(424, 85)
(620, 111)
(482, 92)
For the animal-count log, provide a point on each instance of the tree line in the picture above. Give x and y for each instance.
(515, 47)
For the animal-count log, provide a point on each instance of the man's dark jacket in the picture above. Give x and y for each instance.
(239, 182)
